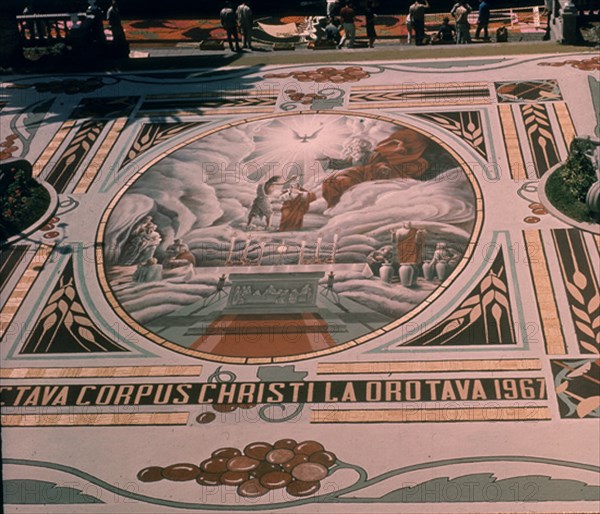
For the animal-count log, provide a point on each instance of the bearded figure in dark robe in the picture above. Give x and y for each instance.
(397, 156)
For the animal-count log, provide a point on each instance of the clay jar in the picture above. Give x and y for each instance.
(386, 272)
(441, 270)
(407, 275)
(428, 271)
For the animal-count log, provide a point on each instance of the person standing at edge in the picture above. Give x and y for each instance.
(370, 21)
(483, 19)
(229, 23)
(113, 17)
(94, 14)
(347, 15)
(417, 15)
(245, 20)
(548, 13)
(409, 28)
(461, 11)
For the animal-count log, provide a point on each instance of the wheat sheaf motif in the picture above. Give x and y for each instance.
(540, 136)
(105, 107)
(581, 284)
(76, 152)
(153, 134)
(64, 325)
(483, 318)
(585, 313)
(465, 125)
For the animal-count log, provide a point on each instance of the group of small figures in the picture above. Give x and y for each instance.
(460, 33)
(241, 18)
(295, 203)
(177, 258)
(246, 294)
(140, 248)
(404, 258)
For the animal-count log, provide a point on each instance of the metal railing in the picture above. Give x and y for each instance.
(47, 29)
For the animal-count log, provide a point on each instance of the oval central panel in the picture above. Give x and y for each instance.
(288, 237)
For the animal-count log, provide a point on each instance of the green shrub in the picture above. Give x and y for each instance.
(578, 171)
(578, 177)
(566, 199)
(21, 205)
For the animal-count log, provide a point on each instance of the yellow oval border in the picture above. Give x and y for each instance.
(133, 324)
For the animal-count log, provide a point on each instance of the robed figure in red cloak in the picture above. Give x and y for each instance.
(397, 156)
(296, 202)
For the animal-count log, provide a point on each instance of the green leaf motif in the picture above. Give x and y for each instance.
(41, 492)
(486, 488)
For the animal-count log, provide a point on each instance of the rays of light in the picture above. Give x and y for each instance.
(291, 146)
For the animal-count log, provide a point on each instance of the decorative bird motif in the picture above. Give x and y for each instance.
(306, 137)
(581, 370)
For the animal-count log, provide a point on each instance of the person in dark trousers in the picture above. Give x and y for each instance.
(417, 14)
(332, 31)
(370, 22)
(245, 20)
(483, 19)
(461, 11)
(446, 33)
(113, 17)
(548, 13)
(95, 15)
(347, 15)
(229, 23)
